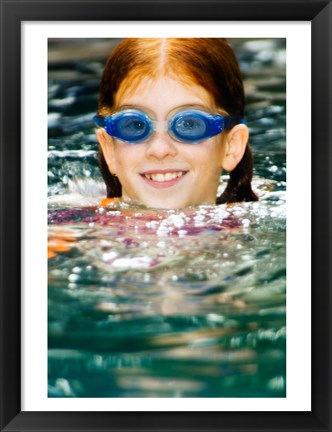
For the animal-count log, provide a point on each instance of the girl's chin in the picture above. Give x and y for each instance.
(165, 206)
(162, 204)
(166, 203)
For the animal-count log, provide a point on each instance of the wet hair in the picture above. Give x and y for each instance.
(207, 62)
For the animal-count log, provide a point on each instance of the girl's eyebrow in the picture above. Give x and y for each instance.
(190, 105)
(129, 106)
(202, 107)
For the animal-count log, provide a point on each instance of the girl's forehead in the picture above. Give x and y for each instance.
(163, 88)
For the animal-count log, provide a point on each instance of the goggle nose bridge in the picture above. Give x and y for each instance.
(160, 125)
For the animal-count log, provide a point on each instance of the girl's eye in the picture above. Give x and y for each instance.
(136, 125)
(132, 127)
(190, 126)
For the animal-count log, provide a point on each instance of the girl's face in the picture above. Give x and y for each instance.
(162, 172)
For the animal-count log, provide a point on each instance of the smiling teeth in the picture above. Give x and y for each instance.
(163, 177)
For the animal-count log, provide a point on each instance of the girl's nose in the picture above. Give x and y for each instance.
(161, 146)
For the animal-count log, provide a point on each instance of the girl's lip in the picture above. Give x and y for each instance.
(163, 171)
(162, 182)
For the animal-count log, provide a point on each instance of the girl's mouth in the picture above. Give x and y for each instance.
(163, 179)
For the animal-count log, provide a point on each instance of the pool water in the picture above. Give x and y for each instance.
(172, 303)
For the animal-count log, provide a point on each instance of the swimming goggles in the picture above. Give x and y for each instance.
(190, 126)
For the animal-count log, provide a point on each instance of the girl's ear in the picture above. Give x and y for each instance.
(236, 142)
(107, 147)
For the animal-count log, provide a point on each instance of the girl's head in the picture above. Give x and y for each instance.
(160, 78)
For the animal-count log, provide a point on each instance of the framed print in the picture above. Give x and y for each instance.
(159, 310)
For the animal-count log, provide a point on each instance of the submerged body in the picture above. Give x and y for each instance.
(193, 297)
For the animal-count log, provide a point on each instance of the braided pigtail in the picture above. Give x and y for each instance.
(113, 186)
(239, 184)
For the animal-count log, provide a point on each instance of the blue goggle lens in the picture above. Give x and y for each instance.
(189, 127)
(132, 127)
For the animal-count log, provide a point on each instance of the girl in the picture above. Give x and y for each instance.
(170, 115)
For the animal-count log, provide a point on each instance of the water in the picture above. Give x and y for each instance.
(146, 303)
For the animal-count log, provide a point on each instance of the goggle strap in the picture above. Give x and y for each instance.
(232, 121)
(99, 120)
(104, 122)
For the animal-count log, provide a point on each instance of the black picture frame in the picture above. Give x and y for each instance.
(13, 12)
